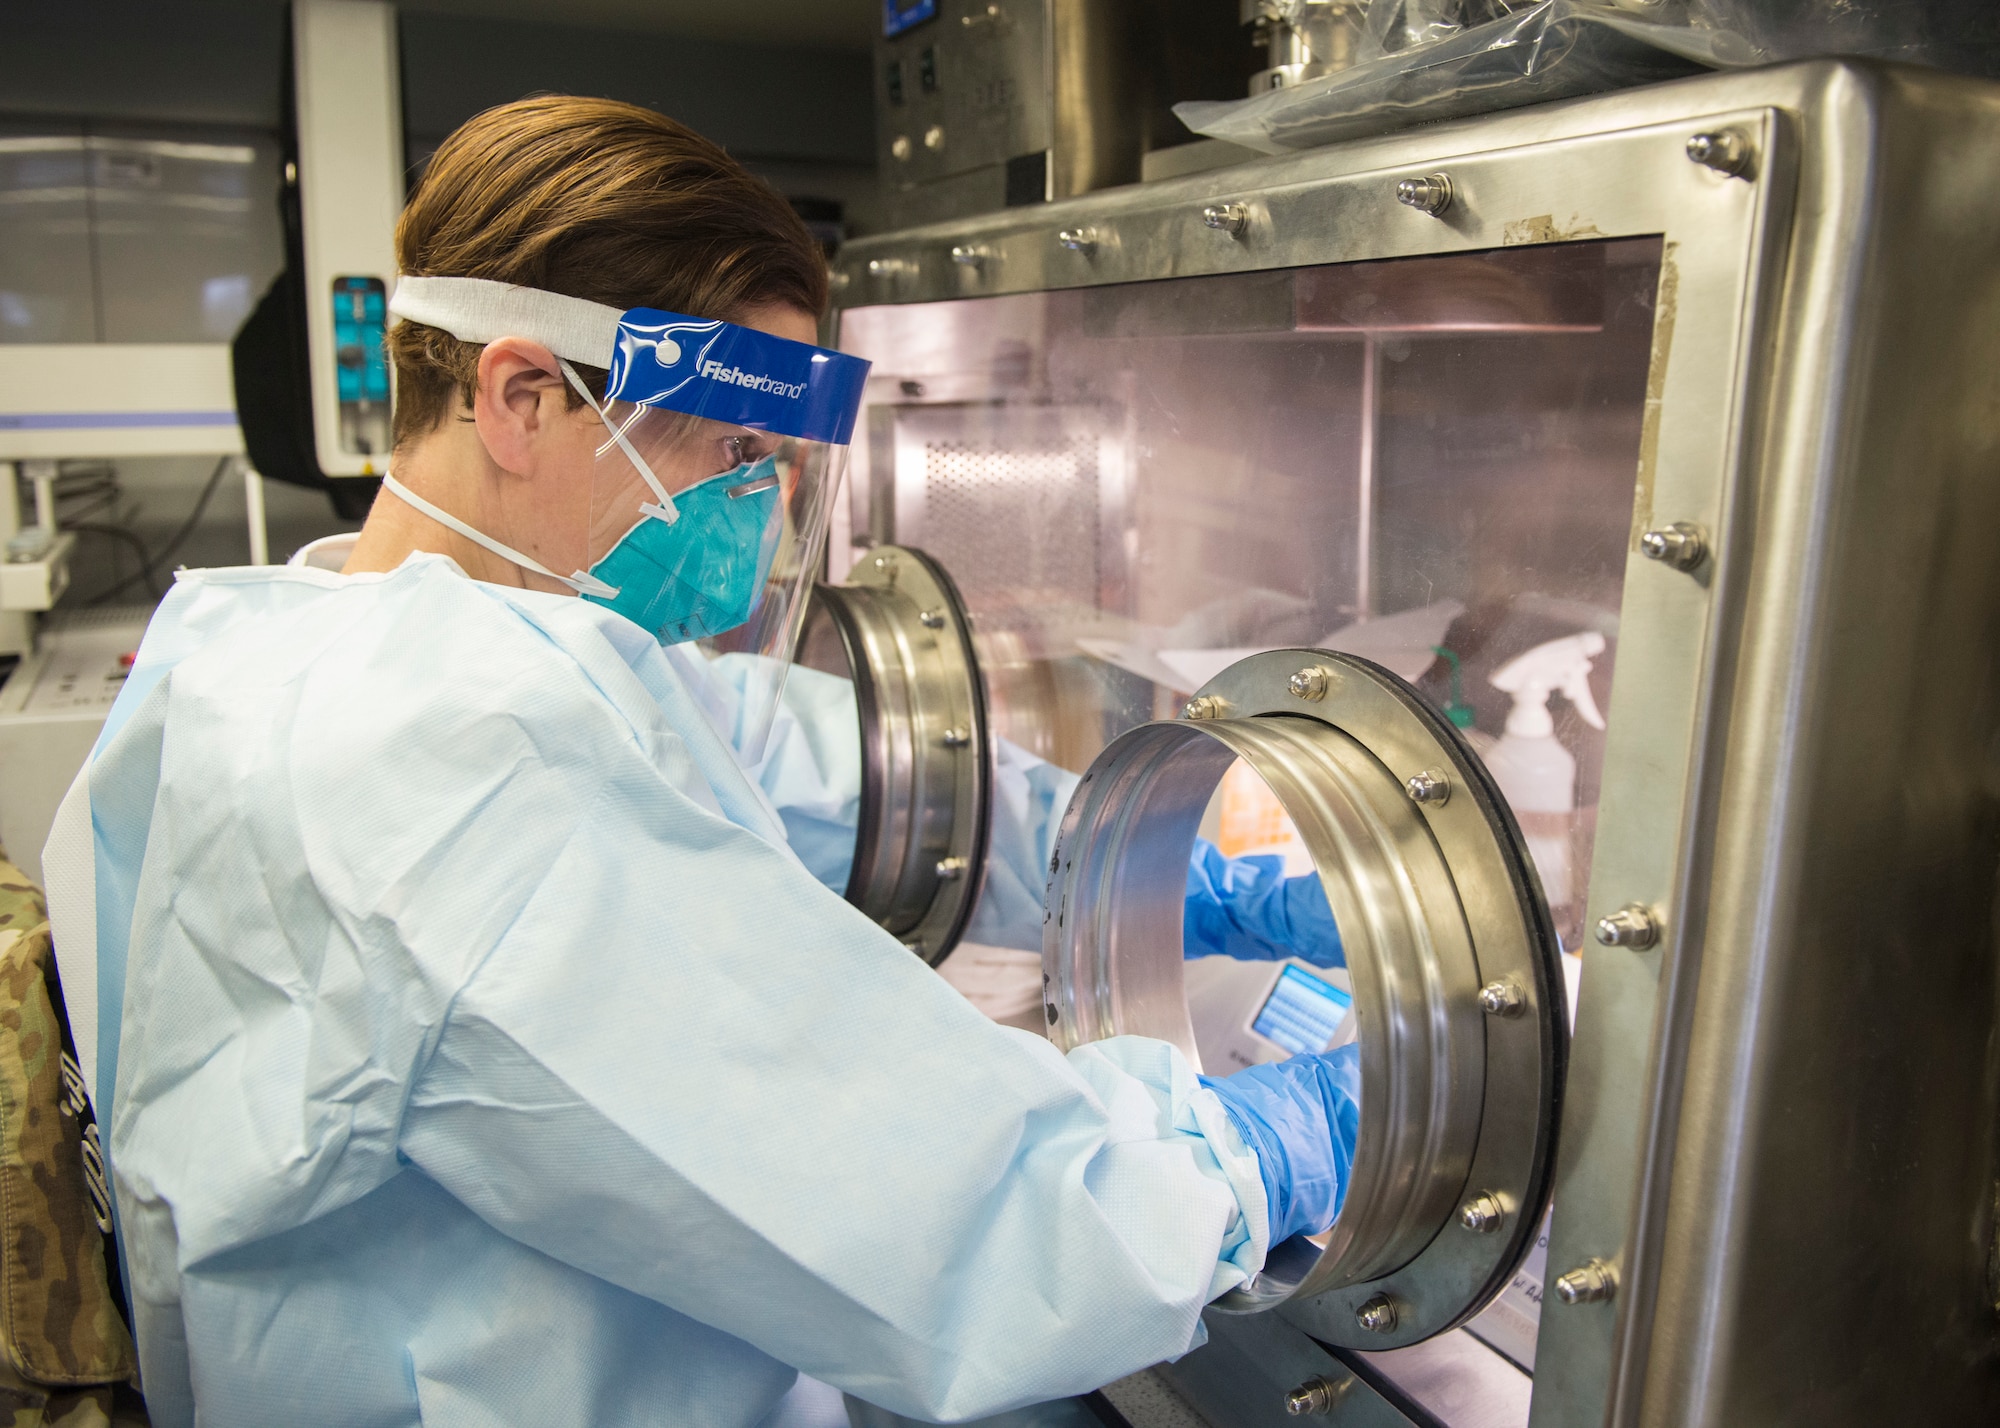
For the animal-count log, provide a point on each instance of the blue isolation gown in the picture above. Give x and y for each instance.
(478, 1053)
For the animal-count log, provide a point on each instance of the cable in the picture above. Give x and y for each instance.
(119, 533)
(67, 516)
(149, 566)
(194, 516)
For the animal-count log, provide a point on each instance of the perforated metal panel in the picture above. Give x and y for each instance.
(1046, 499)
(1013, 501)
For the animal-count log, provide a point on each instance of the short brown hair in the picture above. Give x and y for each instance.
(598, 200)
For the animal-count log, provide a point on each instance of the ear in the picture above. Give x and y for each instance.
(522, 403)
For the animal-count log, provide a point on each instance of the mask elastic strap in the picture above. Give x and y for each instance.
(665, 510)
(583, 582)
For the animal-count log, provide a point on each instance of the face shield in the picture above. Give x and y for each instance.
(720, 453)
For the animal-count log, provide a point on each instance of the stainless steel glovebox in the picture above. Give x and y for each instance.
(1275, 468)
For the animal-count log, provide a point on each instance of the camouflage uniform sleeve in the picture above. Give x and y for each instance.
(62, 1338)
(22, 906)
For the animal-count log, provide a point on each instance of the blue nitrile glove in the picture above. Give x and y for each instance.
(1300, 1116)
(1248, 909)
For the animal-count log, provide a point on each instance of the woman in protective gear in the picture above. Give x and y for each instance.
(475, 1046)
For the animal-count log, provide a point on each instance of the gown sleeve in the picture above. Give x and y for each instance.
(690, 1069)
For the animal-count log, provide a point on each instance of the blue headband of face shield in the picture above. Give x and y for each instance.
(695, 562)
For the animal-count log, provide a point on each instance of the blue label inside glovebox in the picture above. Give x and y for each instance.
(1302, 1013)
(900, 15)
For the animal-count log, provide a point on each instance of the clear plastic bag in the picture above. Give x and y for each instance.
(1426, 60)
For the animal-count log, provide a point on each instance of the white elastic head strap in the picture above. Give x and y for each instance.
(481, 311)
(582, 582)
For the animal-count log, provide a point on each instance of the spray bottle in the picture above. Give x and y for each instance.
(1533, 769)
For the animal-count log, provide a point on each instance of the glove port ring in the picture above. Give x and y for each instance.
(1434, 899)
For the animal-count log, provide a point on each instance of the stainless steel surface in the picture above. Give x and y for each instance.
(1244, 1375)
(1200, 466)
(1096, 134)
(1831, 1182)
(1683, 545)
(1430, 194)
(1431, 901)
(1631, 926)
(1303, 39)
(1784, 772)
(965, 101)
(1452, 1379)
(1593, 1283)
(1317, 1394)
(898, 628)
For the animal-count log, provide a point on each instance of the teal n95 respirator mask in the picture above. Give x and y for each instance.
(723, 452)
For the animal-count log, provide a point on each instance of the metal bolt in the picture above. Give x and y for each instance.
(1078, 240)
(1377, 1316)
(887, 268)
(1430, 788)
(970, 255)
(1630, 926)
(1311, 683)
(1502, 998)
(1204, 706)
(840, 280)
(956, 738)
(1483, 1214)
(887, 565)
(950, 870)
(1316, 1395)
(931, 619)
(1727, 151)
(900, 147)
(1592, 1284)
(934, 137)
(1430, 194)
(1230, 218)
(1681, 545)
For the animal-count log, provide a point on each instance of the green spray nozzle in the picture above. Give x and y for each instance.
(1455, 709)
